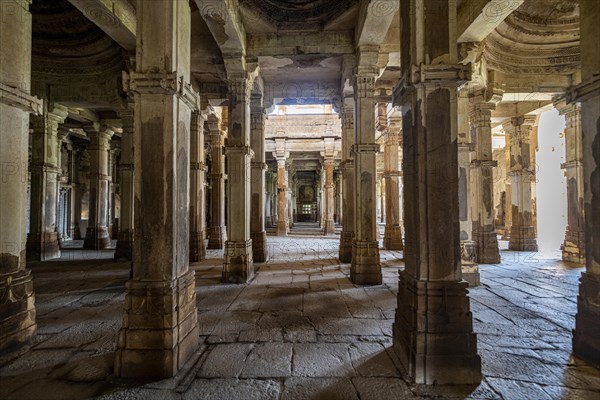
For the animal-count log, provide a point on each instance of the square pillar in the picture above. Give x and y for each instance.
(392, 238)
(217, 233)
(197, 169)
(160, 320)
(433, 329)
(124, 248)
(257, 220)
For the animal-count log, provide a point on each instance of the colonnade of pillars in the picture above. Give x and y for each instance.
(433, 331)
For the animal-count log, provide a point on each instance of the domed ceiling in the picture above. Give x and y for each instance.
(64, 40)
(539, 37)
(300, 14)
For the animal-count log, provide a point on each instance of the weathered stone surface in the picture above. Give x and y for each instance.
(225, 361)
(268, 361)
(217, 389)
(319, 389)
(321, 359)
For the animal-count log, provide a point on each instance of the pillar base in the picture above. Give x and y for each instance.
(346, 239)
(217, 236)
(468, 262)
(197, 249)
(42, 247)
(238, 266)
(487, 248)
(329, 228)
(160, 328)
(392, 238)
(433, 332)
(366, 267)
(586, 341)
(522, 238)
(573, 248)
(260, 250)
(124, 250)
(17, 307)
(75, 232)
(96, 238)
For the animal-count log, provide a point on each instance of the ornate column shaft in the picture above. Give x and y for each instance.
(329, 227)
(74, 229)
(522, 232)
(238, 266)
(124, 248)
(97, 236)
(282, 225)
(217, 233)
(160, 321)
(484, 231)
(433, 330)
(573, 248)
(257, 220)
(366, 267)
(42, 241)
(392, 239)
(197, 168)
(17, 309)
(586, 341)
(348, 194)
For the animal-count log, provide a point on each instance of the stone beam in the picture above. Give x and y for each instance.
(478, 18)
(291, 44)
(374, 21)
(115, 17)
(303, 146)
(225, 25)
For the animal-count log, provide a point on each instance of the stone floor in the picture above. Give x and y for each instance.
(299, 330)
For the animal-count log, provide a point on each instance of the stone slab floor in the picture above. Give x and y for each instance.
(300, 330)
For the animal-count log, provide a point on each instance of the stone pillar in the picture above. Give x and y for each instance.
(586, 341)
(282, 225)
(522, 232)
(433, 330)
(17, 309)
(484, 231)
(217, 233)
(160, 325)
(573, 248)
(125, 240)
(348, 195)
(329, 227)
(74, 229)
(197, 168)
(97, 236)
(238, 266)
(508, 188)
(392, 239)
(366, 267)
(257, 220)
(42, 241)
(339, 212)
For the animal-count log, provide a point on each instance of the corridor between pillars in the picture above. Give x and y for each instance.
(365, 268)
(42, 241)
(238, 265)
(433, 330)
(160, 321)
(17, 314)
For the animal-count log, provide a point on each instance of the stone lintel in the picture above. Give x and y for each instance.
(586, 90)
(17, 98)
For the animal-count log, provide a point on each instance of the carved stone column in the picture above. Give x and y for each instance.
(238, 266)
(282, 225)
(42, 241)
(197, 168)
(348, 194)
(366, 267)
(433, 330)
(392, 239)
(522, 232)
(586, 341)
(97, 236)
(217, 233)
(160, 321)
(329, 227)
(573, 248)
(74, 228)
(17, 309)
(484, 231)
(124, 248)
(257, 220)
(508, 188)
